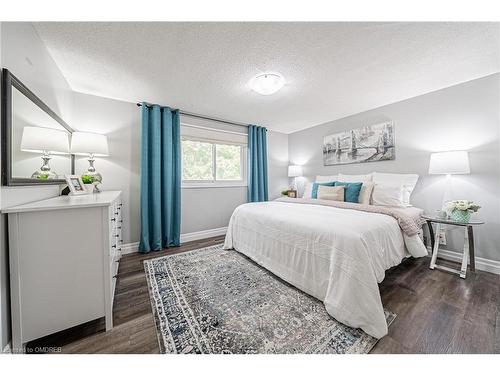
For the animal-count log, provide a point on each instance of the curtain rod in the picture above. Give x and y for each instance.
(204, 117)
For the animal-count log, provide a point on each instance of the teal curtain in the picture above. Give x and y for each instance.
(257, 164)
(160, 178)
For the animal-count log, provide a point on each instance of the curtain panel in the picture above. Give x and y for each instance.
(160, 178)
(257, 164)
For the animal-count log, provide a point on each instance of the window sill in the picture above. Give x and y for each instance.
(212, 185)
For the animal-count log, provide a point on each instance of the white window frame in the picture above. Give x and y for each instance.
(197, 184)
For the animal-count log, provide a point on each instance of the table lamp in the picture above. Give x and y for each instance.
(91, 145)
(294, 171)
(448, 163)
(46, 141)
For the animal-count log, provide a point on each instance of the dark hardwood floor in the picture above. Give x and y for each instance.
(437, 312)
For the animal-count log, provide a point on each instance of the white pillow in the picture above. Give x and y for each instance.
(327, 178)
(355, 177)
(308, 190)
(387, 195)
(407, 182)
(365, 193)
(332, 193)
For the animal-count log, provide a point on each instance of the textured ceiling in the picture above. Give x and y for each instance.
(332, 69)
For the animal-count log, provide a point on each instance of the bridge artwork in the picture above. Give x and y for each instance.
(368, 143)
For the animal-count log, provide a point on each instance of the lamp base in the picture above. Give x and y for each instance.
(44, 175)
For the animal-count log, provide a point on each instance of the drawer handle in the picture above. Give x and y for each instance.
(121, 221)
(113, 219)
(117, 235)
(117, 261)
(115, 277)
(116, 213)
(119, 227)
(114, 246)
(121, 204)
(119, 208)
(119, 249)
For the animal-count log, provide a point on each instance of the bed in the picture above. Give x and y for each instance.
(336, 252)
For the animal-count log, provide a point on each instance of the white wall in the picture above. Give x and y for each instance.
(120, 121)
(202, 208)
(23, 53)
(461, 117)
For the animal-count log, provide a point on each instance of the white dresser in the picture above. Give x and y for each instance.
(64, 257)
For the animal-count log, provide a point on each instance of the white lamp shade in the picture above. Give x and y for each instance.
(294, 171)
(89, 143)
(37, 139)
(450, 162)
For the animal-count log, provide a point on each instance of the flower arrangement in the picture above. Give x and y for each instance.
(460, 210)
(462, 205)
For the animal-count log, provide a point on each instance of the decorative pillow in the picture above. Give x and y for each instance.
(365, 194)
(355, 177)
(326, 178)
(387, 195)
(307, 190)
(352, 190)
(407, 182)
(332, 193)
(314, 192)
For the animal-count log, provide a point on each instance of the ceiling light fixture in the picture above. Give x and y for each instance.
(267, 83)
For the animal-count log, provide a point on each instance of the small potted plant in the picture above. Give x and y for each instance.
(88, 182)
(91, 182)
(460, 210)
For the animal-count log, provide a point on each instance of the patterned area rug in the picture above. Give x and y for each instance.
(217, 301)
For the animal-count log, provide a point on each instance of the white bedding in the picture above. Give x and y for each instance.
(336, 255)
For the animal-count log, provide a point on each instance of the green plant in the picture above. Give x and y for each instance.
(284, 192)
(43, 176)
(86, 179)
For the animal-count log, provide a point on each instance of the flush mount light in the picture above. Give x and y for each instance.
(267, 83)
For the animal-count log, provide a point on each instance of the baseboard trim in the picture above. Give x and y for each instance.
(129, 248)
(483, 264)
(6, 349)
(194, 236)
(133, 247)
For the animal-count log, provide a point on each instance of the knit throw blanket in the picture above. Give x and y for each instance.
(409, 225)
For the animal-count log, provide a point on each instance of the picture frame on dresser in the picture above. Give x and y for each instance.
(75, 185)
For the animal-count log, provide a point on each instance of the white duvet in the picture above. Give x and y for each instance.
(336, 255)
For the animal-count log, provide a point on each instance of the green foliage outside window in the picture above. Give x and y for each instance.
(198, 162)
(228, 162)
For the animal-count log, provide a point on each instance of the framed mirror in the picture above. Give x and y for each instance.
(35, 140)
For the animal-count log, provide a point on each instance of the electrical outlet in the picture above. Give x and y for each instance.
(442, 237)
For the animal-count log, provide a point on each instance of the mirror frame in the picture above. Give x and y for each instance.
(9, 81)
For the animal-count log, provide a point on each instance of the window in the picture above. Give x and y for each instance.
(209, 162)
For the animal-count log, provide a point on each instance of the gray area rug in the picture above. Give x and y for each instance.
(217, 301)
